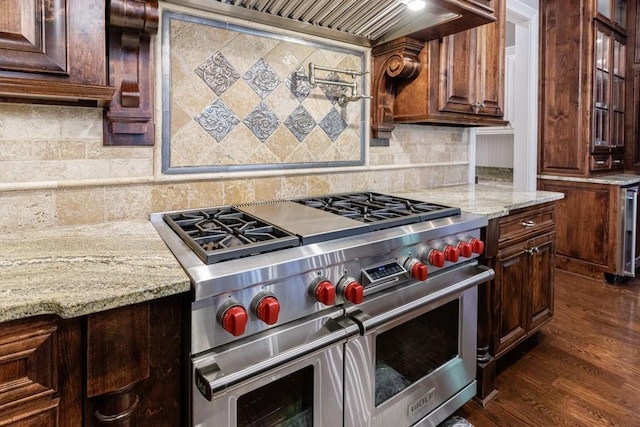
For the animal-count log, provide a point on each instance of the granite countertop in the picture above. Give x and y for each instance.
(490, 200)
(75, 271)
(621, 179)
(80, 270)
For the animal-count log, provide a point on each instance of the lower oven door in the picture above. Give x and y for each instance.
(292, 376)
(415, 364)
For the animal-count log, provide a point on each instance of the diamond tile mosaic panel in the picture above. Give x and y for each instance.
(238, 98)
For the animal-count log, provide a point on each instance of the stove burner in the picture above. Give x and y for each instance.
(220, 234)
(380, 210)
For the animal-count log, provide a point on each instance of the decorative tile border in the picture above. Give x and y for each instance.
(237, 99)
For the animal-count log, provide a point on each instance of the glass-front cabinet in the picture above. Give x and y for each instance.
(609, 90)
(614, 11)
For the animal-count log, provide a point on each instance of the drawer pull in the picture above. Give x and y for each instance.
(534, 250)
(601, 162)
(528, 223)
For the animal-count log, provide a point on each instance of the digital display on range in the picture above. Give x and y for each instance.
(386, 270)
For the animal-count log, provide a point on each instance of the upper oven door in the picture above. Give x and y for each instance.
(416, 361)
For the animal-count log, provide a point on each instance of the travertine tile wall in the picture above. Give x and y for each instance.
(54, 171)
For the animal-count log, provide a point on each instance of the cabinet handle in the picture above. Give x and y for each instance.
(617, 162)
(531, 251)
(528, 223)
(601, 162)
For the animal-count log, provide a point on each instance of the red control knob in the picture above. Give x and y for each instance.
(419, 271)
(477, 245)
(451, 253)
(436, 258)
(354, 292)
(416, 269)
(234, 320)
(325, 292)
(465, 249)
(268, 309)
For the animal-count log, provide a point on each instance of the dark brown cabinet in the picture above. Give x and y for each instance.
(83, 52)
(455, 78)
(40, 377)
(523, 290)
(632, 160)
(583, 91)
(461, 79)
(587, 225)
(54, 50)
(118, 367)
(521, 249)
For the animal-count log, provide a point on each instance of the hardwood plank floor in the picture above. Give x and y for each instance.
(581, 369)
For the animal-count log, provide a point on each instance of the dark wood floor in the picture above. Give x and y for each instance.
(582, 368)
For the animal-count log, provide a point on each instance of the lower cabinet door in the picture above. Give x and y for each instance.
(512, 271)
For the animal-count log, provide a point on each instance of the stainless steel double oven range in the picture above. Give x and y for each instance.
(354, 309)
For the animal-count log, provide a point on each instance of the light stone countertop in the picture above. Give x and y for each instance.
(490, 200)
(74, 271)
(621, 179)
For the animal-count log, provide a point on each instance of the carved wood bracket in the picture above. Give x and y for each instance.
(392, 61)
(129, 118)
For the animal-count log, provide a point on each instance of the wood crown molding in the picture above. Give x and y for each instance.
(392, 61)
(128, 120)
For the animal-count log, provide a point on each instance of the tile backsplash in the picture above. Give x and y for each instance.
(54, 170)
(240, 99)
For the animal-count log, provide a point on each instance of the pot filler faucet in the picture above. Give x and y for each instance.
(343, 99)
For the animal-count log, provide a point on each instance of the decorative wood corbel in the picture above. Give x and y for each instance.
(392, 61)
(129, 118)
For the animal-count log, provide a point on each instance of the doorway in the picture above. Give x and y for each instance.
(509, 154)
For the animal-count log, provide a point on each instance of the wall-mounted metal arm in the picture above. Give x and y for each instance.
(343, 99)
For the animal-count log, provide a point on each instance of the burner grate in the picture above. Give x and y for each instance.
(379, 210)
(220, 234)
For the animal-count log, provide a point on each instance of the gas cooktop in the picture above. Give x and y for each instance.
(219, 234)
(222, 233)
(379, 210)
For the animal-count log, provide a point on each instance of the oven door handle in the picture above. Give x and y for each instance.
(211, 380)
(480, 275)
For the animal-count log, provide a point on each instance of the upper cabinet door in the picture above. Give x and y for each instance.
(609, 90)
(54, 50)
(473, 77)
(33, 36)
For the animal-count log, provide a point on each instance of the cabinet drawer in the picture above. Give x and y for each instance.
(600, 162)
(617, 161)
(28, 371)
(526, 223)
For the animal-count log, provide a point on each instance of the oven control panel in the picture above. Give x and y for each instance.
(378, 273)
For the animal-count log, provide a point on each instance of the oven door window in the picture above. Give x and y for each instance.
(286, 402)
(412, 350)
